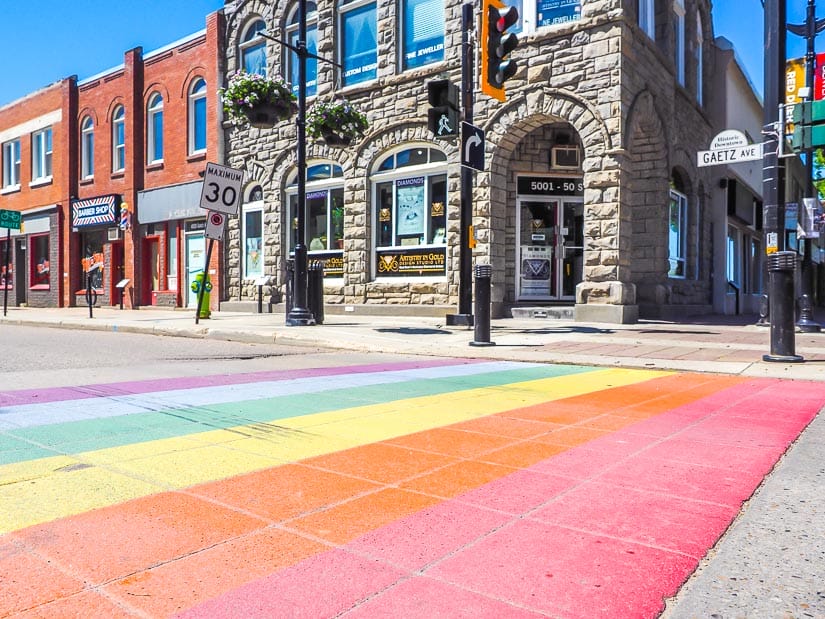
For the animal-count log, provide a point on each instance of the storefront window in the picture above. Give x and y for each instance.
(324, 222)
(39, 253)
(91, 262)
(253, 235)
(411, 213)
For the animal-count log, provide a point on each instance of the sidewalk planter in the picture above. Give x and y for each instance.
(257, 100)
(338, 123)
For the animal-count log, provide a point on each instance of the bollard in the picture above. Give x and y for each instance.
(481, 328)
(315, 290)
(781, 266)
(290, 283)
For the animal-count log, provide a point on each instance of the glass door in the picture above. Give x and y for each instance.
(195, 258)
(571, 251)
(550, 252)
(537, 274)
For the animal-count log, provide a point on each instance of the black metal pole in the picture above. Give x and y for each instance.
(465, 256)
(8, 272)
(299, 315)
(780, 299)
(809, 29)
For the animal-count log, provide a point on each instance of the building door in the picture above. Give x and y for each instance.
(549, 248)
(195, 258)
(151, 270)
(20, 271)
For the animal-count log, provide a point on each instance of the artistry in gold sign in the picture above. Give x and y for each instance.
(422, 262)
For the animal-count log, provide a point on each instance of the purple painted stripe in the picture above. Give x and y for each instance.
(60, 394)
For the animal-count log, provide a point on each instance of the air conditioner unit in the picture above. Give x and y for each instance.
(113, 234)
(565, 158)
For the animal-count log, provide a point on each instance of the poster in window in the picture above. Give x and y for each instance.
(554, 12)
(409, 196)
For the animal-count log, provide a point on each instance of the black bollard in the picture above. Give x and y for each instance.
(481, 325)
(781, 266)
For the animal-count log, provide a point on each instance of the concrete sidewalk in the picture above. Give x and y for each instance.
(719, 344)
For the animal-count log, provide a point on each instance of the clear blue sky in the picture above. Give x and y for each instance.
(45, 40)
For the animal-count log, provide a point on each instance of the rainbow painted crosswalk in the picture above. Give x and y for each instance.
(429, 488)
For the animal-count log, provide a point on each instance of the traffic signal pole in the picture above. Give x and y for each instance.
(809, 30)
(779, 262)
(464, 317)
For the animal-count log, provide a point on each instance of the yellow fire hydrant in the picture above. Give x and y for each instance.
(204, 311)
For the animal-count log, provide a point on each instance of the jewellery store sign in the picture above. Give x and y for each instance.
(413, 262)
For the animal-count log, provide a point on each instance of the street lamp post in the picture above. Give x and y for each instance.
(300, 315)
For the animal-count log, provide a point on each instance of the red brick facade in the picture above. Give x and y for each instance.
(142, 250)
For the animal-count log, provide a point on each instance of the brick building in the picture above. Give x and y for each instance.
(35, 136)
(591, 196)
(107, 174)
(145, 132)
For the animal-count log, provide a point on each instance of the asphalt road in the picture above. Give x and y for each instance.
(32, 357)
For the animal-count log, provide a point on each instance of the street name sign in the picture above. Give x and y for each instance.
(221, 189)
(729, 146)
(738, 154)
(9, 219)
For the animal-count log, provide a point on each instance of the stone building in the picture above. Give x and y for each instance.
(591, 196)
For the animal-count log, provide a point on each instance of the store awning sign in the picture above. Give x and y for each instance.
(98, 211)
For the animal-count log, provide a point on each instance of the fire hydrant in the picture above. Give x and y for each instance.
(204, 312)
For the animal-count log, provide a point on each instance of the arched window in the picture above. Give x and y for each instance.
(324, 215)
(252, 234)
(87, 147)
(422, 27)
(154, 129)
(197, 116)
(358, 33)
(312, 48)
(119, 139)
(410, 213)
(253, 48)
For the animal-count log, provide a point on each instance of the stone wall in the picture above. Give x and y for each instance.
(608, 83)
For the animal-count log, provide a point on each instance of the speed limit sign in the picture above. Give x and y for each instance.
(221, 189)
(214, 225)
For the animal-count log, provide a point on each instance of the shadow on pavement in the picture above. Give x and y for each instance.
(413, 331)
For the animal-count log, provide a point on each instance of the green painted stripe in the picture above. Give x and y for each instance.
(32, 443)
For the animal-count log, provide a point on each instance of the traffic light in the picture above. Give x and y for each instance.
(442, 117)
(808, 125)
(496, 45)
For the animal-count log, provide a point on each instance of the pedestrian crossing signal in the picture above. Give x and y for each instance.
(443, 117)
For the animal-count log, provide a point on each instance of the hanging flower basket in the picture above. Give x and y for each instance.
(256, 100)
(338, 122)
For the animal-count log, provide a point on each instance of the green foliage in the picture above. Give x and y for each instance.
(340, 118)
(246, 91)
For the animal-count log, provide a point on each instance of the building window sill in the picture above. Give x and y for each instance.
(39, 182)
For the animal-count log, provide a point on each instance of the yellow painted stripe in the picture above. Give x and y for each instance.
(51, 488)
